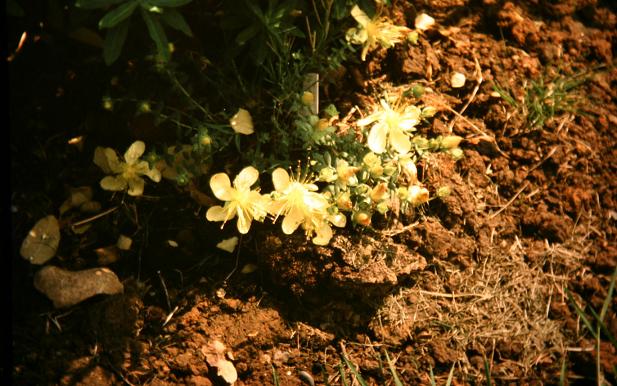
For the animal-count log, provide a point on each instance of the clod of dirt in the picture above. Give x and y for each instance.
(67, 288)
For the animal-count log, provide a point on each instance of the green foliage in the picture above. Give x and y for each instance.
(544, 98)
(117, 20)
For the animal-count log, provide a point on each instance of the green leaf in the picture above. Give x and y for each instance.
(155, 29)
(169, 3)
(93, 4)
(174, 19)
(114, 41)
(118, 14)
(246, 34)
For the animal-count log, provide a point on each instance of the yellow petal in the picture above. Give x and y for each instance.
(228, 245)
(280, 179)
(221, 186)
(217, 213)
(323, 234)
(339, 220)
(370, 119)
(112, 160)
(291, 222)
(377, 138)
(100, 160)
(154, 174)
(242, 122)
(315, 201)
(423, 22)
(113, 183)
(360, 16)
(400, 141)
(244, 221)
(246, 178)
(134, 151)
(136, 186)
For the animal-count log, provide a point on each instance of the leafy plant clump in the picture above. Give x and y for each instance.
(286, 160)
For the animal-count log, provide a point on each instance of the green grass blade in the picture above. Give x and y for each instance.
(355, 372)
(450, 375)
(341, 370)
(432, 376)
(275, 376)
(581, 313)
(505, 95)
(563, 372)
(395, 377)
(487, 371)
(602, 327)
(609, 295)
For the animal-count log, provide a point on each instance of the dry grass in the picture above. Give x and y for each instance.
(496, 311)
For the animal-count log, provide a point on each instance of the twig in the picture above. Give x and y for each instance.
(399, 231)
(95, 217)
(452, 296)
(510, 202)
(237, 259)
(549, 155)
(165, 290)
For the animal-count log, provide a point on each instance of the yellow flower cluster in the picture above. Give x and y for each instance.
(371, 33)
(298, 202)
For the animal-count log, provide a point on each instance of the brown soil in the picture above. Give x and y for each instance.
(476, 280)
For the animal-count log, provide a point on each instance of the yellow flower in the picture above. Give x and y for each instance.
(371, 33)
(127, 173)
(300, 204)
(390, 127)
(240, 200)
(242, 122)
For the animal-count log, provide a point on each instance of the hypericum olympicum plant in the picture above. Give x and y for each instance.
(240, 200)
(390, 127)
(242, 122)
(127, 173)
(378, 31)
(300, 204)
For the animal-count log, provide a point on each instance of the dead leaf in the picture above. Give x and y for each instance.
(67, 288)
(215, 356)
(42, 241)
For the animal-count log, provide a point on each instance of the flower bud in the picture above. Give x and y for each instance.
(376, 171)
(382, 207)
(363, 218)
(456, 153)
(417, 195)
(321, 124)
(389, 169)
(412, 37)
(451, 141)
(402, 193)
(371, 160)
(344, 171)
(343, 202)
(307, 98)
(428, 112)
(443, 191)
(378, 193)
(327, 174)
